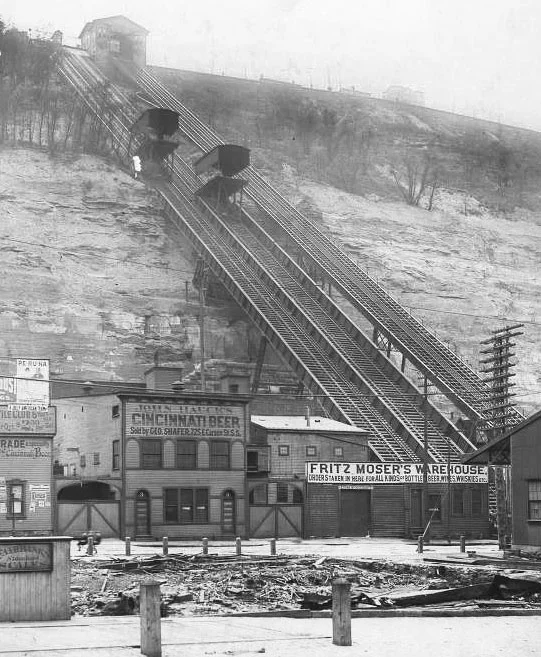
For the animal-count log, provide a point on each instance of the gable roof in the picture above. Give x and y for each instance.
(115, 21)
(483, 454)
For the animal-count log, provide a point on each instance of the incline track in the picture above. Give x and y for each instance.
(441, 366)
(334, 359)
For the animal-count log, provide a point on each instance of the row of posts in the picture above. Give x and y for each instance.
(421, 543)
(205, 544)
(151, 633)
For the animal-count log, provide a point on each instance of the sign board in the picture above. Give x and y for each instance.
(26, 557)
(28, 448)
(25, 381)
(393, 473)
(184, 420)
(18, 420)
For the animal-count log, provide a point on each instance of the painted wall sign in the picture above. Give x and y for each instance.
(184, 420)
(21, 421)
(21, 557)
(28, 448)
(393, 473)
(25, 381)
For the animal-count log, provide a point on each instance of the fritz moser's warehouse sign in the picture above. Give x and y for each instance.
(393, 473)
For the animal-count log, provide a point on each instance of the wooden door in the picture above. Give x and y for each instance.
(354, 512)
(228, 513)
(142, 513)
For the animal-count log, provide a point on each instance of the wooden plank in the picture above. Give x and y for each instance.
(444, 595)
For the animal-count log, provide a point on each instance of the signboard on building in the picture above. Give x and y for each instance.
(393, 473)
(184, 420)
(19, 420)
(25, 381)
(26, 557)
(28, 448)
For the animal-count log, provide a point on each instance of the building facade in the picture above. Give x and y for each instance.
(152, 463)
(115, 37)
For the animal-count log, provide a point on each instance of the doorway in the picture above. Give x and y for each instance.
(229, 524)
(142, 513)
(354, 512)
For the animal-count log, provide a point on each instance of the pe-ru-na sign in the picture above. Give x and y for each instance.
(393, 473)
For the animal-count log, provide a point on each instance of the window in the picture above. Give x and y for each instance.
(186, 506)
(82, 461)
(116, 454)
(297, 495)
(219, 455)
(234, 387)
(338, 452)
(187, 454)
(458, 501)
(311, 450)
(96, 458)
(434, 507)
(281, 493)
(151, 454)
(534, 499)
(283, 450)
(15, 493)
(252, 461)
(258, 495)
(115, 411)
(476, 502)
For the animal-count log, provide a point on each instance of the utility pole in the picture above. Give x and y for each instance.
(497, 368)
(201, 280)
(426, 510)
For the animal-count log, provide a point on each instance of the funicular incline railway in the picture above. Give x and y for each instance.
(355, 381)
(423, 349)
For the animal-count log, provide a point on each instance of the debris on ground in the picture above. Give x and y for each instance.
(213, 584)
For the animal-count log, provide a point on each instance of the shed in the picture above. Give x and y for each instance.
(115, 36)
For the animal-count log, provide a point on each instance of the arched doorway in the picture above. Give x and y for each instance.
(142, 514)
(229, 524)
(88, 506)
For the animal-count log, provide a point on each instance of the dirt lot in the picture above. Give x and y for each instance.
(217, 584)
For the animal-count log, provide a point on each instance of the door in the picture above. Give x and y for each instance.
(354, 512)
(228, 513)
(142, 513)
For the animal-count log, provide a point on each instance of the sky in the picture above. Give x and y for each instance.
(475, 57)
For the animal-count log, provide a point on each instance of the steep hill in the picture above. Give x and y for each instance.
(94, 279)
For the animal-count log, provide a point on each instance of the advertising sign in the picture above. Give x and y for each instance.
(25, 381)
(393, 473)
(20, 557)
(16, 419)
(30, 448)
(184, 420)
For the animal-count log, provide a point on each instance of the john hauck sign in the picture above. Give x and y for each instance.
(393, 473)
(21, 557)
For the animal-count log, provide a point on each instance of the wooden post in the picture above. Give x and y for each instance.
(420, 543)
(165, 545)
(273, 547)
(151, 630)
(463, 544)
(341, 613)
(90, 546)
(238, 546)
(205, 546)
(127, 542)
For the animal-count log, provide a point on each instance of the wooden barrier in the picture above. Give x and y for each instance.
(238, 546)
(205, 546)
(165, 545)
(341, 612)
(90, 546)
(420, 544)
(463, 544)
(273, 547)
(127, 542)
(151, 629)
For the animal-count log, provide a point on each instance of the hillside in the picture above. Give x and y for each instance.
(94, 278)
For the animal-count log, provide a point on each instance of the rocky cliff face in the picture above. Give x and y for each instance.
(92, 277)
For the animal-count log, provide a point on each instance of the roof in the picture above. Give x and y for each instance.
(498, 445)
(115, 21)
(300, 423)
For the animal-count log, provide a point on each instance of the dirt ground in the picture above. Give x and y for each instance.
(218, 584)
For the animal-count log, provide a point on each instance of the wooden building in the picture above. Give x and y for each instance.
(520, 448)
(115, 37)
(26, 470)
(152, 462)
(281, 502)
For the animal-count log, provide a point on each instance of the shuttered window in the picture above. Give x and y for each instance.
(186, 506)
(151, 454)
(534, 499)
(219, 455)
(187, 454)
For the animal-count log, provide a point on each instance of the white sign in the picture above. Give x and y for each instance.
(25, 381)
(393, 473)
